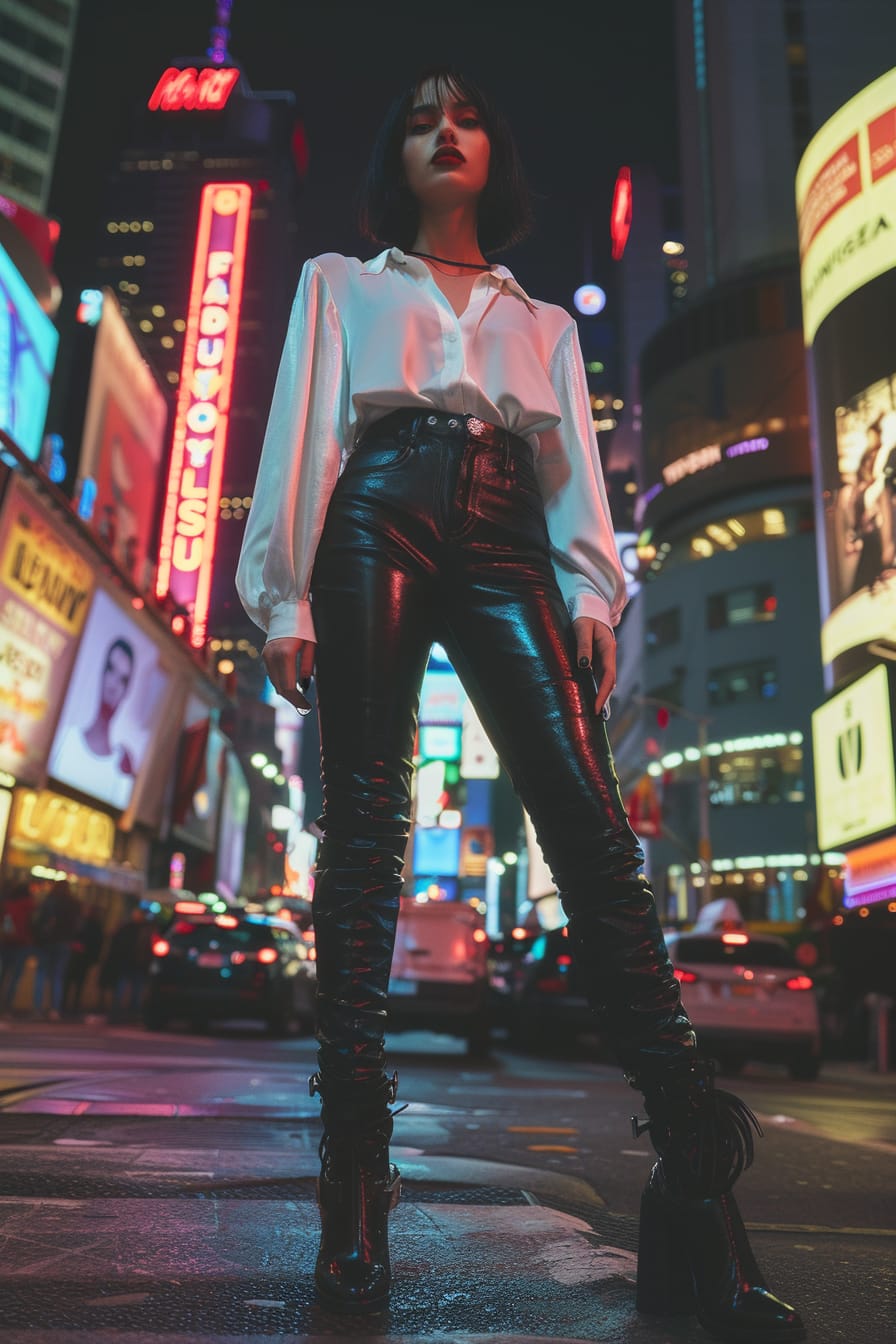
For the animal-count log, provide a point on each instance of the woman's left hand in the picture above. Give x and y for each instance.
(596, 647)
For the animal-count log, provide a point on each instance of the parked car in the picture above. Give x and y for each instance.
(748, 998)
(549, 1003)
(439, 978)
(235, 965)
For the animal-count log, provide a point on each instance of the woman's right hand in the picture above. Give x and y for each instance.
(290, 665)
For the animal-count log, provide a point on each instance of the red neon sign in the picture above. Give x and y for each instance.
(621, 212)
(190, 520)
(192, 90)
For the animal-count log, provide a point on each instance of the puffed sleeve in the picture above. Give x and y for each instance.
(583, 547)
(300, 461)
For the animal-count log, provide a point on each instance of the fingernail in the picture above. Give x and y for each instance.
(584, 662)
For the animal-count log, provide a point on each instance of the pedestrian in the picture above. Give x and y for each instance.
(86, 950)
(430, 473)
(55, 923)
(127, 964)
(16, 940)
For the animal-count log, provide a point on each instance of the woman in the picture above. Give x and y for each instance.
(864, 519)
(430, 473)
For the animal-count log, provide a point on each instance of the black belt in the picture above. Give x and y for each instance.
(445, 424)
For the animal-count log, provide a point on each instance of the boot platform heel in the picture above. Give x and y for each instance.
(664, 1272)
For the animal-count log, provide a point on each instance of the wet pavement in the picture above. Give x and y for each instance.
(170, 1197)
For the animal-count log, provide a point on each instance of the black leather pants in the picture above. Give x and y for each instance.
(430, 535)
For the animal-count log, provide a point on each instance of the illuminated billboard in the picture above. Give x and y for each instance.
(28, 341)
(45, 590)
(846, 201)
(855, 779)
(190, 519)
(122, 441)
(113, 706)
(859, 483)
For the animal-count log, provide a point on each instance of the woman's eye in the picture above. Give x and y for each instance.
(419, 128)
(470, 121)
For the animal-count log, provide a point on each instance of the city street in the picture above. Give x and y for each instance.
(162, 1186)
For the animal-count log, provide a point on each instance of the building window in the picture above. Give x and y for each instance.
(741, 682)
(741, 606)
(729, 532)
(767, 776)
(664, 628)
(26, 39)
(671, 692)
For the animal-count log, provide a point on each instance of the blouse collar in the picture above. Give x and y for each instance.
(393, 256)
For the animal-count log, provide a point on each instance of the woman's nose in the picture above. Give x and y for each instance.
(446, 130)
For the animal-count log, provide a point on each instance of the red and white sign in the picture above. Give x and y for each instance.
(193, 90)
(189, 524)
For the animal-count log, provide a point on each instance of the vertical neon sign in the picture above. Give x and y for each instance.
(190, 520)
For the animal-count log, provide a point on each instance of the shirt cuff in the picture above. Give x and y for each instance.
(292, 620)
(592, 605)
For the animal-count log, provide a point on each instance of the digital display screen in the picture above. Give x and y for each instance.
(437, 850)
(28, 342)
(440, 742)
(114, 704)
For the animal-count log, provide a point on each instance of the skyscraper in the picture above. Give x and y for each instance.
(35, 46)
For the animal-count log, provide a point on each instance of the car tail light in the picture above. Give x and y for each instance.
(739, 938)
(267, 955)
(685, 977)
(798, 982)
(161, 948)
(564, 959)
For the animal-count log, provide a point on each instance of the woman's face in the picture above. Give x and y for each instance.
(446, 149)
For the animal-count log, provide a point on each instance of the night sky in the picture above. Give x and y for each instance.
(587, 87)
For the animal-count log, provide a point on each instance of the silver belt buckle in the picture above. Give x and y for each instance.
(475, 427)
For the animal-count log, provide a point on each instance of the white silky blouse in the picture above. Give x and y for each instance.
(365, 338)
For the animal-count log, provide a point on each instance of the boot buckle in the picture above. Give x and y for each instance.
(392, 1087)
(314, 1085)
(639, 1127)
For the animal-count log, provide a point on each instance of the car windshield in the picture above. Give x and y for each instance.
(714, 952)
(202, 934)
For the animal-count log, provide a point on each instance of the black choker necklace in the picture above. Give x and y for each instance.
(470, 265)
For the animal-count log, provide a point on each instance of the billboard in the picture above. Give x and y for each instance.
(859, 487)
(855, 779)
(114, 703)
(122, 441)
(232, 832)
(45, 590)
(198, 775)
(846, 201)
(190, 519)
(28, 341)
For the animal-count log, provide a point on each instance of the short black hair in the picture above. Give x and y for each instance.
(387, 211)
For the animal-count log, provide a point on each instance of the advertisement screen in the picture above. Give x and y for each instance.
(200, 766)
(45, 589)
(28, 341)
(846, 201)
(855, 782)
(859, 481)
(440, 742)
(437, 850)
(441, 698)
(232, 835)
(114, 704)
(123, 440)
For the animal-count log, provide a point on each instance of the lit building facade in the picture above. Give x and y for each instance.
(730, 608)
(35, 48)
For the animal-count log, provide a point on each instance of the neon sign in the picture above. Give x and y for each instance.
(190, 520)
(621, 212)
(193, 90)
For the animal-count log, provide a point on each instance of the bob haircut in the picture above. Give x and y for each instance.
(387, 211)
